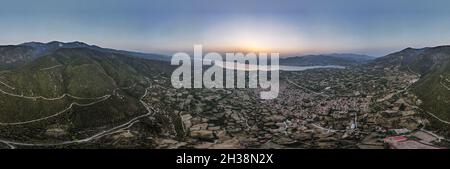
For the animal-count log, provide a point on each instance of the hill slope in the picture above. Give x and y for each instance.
(433, 65)
(79, 89)
(13, 56)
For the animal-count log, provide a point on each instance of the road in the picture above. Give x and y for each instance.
(442, 84)
(51, 67)
(58, 113)
(8, 86)
(34, 98)
(50, 99)
(304, 88)
(150, 111)
(436, 117)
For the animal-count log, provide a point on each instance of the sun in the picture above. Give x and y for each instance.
(254, 36)
(253, 45)
(252, 41)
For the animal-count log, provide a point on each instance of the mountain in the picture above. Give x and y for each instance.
(79, 88)
(402, 59)
(433, 66)
(328, 59)
(13, 56)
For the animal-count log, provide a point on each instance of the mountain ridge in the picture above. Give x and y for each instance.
(11, 57)
(338, 59)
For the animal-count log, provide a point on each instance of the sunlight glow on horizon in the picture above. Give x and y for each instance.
(253, 35)
(288, 27)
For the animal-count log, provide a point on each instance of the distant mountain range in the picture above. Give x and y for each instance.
(327, 59)
(15, 55)
(12, 56)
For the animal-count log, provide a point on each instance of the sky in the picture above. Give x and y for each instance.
(290, 27)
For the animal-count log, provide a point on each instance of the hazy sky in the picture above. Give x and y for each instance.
(291, 27)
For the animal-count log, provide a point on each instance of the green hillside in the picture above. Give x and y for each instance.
(433, 87)
(79, 88)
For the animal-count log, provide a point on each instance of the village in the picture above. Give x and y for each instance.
(313, 110)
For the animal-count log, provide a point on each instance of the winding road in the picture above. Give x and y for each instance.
(128, 124)
(51, 67)
(8, 86)
(431, 114)
(58, 113)
(50, 99)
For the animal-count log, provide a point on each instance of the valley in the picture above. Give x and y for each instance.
(86, 97)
